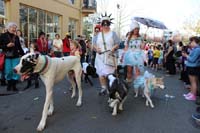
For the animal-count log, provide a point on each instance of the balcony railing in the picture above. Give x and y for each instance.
(89, 7)
(89, 4)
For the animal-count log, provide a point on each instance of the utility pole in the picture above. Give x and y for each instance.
(118, 20)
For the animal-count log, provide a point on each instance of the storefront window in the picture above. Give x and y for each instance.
(24, 22)
(33, 21)
(71, 1)
(50, 25)
(32, 24)
(2, 12)
(2, 16)
(72, 28)
(41, 21)
(56, 23)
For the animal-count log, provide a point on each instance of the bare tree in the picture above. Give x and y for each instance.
(192, 24)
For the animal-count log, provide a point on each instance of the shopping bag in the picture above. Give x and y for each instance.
(109, 59)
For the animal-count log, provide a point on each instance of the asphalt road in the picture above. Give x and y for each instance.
(21, 113)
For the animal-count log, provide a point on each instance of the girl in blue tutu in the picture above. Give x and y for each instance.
(134, 56)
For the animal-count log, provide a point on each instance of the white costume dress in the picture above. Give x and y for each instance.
(110, 39)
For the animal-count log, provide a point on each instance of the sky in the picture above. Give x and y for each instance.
(173, 13)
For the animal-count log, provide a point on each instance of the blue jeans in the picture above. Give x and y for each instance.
(10, 63)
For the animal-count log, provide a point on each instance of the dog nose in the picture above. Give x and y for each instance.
(14, 70)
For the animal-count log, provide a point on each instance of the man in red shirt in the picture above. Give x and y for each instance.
(66, 45)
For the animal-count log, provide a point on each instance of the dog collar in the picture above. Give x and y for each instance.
(46, 62)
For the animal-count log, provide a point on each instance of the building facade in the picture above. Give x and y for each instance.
(49, 16)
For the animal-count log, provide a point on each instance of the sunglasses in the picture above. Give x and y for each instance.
(105, 24)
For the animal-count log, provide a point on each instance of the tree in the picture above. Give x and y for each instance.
(122, 18)
(87, 27)
(192, 24)
(197, 27)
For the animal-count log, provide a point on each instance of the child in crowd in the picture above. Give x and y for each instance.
(74, 51)
(75, 48)
(156, 55)
(150, 56)
(160, 60)
(51, 53)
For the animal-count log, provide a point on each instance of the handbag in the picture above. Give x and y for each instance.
(109, 57)
(2, 60)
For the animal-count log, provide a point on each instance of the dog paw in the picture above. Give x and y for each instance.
(50, 113)
(121, 108)
(73, 96)
(136, 96)
(152, 106)
(40, 127)
(78, 104)
(114, 114)
(112, 104)
(109, 100)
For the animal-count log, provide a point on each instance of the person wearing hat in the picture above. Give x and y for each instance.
(105, 40)
(66, 44)
(134, 56)
(97, 29)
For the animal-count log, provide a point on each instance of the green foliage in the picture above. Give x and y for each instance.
(87, 28)
(197, 27)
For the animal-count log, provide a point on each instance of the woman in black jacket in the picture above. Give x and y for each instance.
(170, 61)
(11, 46)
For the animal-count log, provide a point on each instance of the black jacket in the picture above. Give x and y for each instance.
(6, 38)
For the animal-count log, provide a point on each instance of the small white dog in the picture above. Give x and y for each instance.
(51, 71)
(147, 82)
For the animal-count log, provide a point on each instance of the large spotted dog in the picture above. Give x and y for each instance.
(118, 90)
(51, 70)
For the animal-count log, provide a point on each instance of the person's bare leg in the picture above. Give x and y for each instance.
(102, 80)
(193, 82)
(129, 73)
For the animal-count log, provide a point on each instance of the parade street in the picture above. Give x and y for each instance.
(21, 113)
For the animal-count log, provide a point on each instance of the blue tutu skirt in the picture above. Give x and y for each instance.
(134, 58)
